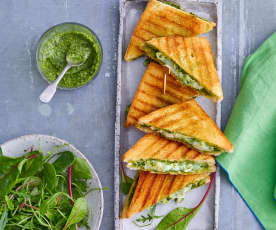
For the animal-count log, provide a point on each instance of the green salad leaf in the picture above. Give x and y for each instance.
(147, 61)
(169, 222)
(127, 109)
(9, 173)
(78, 213)
(126, 184)
(64, 160)
(9, 203)
(53, 201)
(147, 220)
(49, 176)
(80, 169)
(32, 164)
(3, 220)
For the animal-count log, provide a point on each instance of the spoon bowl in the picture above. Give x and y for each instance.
(48, 93)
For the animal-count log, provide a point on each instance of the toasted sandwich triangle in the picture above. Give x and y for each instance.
(166, 154)
(150, 94)
(194, 56)
(160, 19)
(187, 123)
(153, 188)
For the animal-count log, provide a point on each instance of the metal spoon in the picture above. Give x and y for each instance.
(48, 93)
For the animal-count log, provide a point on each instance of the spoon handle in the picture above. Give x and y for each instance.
(48, 93)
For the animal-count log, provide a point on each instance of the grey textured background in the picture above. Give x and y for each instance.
(85, 117)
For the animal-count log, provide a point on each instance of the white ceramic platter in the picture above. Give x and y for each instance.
(128, 78)
(18, 146)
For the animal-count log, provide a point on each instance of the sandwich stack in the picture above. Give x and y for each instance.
(177, 152)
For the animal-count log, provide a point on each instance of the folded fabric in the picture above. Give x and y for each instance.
(252, 130)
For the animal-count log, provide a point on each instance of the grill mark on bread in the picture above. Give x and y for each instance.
(195, 154)
(177, 52)
(148, 104)
(163, 178)
(171, 185)
(170, 123)
(202, 49)
(169, 113)
(160, 147)
(159, 98)
(173, 84)
(171, 93)
(148, 31)
(131, 119)
(165, 19)
(139, 110)
(139, 187)
(173, 151)
(187, 59)
(156, 25)
(149, 190)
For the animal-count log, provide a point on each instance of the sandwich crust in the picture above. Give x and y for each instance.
(150, 96)
(189, 119)
(152, 188)
(195, 57)
(154, 147)
(160, 19)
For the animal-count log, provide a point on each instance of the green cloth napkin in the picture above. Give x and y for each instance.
(252, 130)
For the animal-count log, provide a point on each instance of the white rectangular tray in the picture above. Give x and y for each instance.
(129, 75)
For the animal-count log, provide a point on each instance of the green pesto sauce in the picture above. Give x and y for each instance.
(78, 48)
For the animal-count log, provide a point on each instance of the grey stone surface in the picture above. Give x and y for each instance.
(85, 117)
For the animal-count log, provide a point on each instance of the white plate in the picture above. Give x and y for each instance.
(18, 146)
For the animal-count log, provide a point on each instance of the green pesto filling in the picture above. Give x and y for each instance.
(192, 142)
(177, 6)
(178, 72)
(179, 196)
(166, 166)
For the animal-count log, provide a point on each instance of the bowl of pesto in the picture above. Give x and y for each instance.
(75, 40)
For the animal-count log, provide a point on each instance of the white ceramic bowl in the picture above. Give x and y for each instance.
(18, 146)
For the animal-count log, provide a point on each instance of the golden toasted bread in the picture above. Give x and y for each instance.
(150, 93)
(187, 123)
(194, 56)
(153, 188)
(158, 149)
(160, 19)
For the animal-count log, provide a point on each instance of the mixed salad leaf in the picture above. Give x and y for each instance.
(44, 192)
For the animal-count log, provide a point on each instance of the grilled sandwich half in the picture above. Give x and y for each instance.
(157, 89)
(159, 155)
(190, 60)
(149, 189)
(189, 124)
(161, 19)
